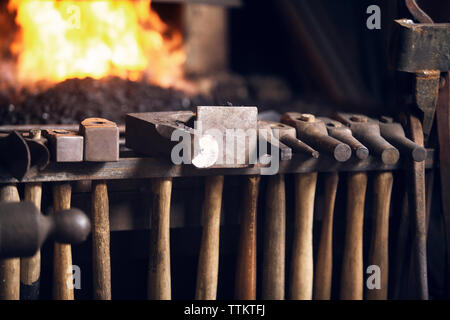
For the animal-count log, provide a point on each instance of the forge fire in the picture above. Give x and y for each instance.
(58, 40)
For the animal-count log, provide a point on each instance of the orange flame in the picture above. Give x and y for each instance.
(63, 39)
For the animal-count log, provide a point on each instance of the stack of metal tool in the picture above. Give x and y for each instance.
(301, 144)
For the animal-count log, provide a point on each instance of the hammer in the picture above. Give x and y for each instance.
(324, 264)
(368, 132)
(302, 257)
(222, 120)
(274, 241)
(314, 132)
(394, 133)
(157, 129)
(98, 141)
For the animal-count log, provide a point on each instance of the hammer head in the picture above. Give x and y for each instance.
(149, 133)
(304, 123)
(394, 133)
(334, 126)
(313, 131)
(234, 129)
(273, 133)
(358, 123)
(220, 137)
(65, 146)
(278, 129)
(101, 140)
(341, 132)
(367, 131)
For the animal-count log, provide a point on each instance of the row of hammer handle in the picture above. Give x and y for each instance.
(306, 282)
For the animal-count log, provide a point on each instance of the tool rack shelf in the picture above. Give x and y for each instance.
(133, 167)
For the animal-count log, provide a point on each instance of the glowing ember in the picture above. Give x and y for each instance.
(63, 39)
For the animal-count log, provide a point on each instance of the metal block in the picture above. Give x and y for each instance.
(234, 129)
(101, 140)
(65, 146)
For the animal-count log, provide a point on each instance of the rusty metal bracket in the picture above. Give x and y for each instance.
(423, 49)
(422, 46)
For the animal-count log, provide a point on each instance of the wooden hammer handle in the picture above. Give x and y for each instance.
(302, 251)
(30, 268)
(62, 255)
(380, 235)
(273, 272)
(159, 282)
(401, 253)
(9, 268)
(208, 261)
(245, 288)
(324, 265)
(418, 214)
(101, 241)
(352, 266)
